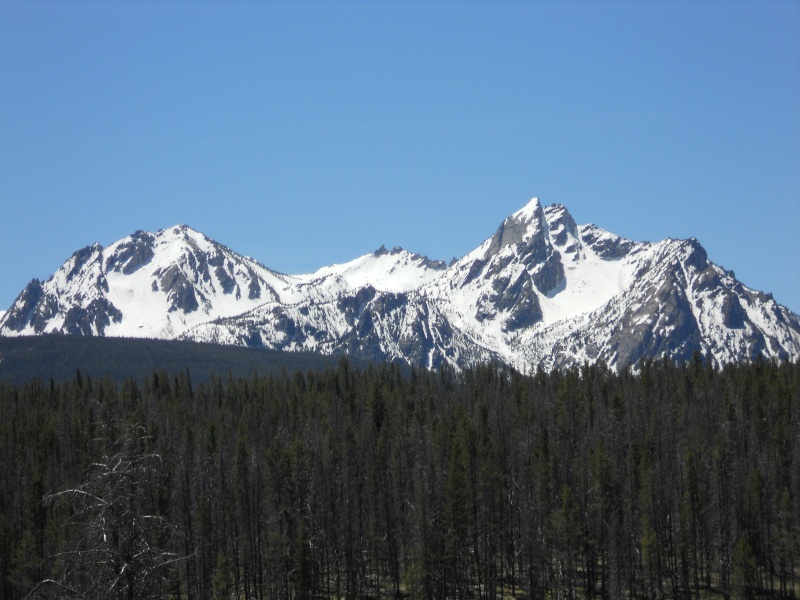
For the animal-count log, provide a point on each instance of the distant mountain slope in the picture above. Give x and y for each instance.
(541, 291)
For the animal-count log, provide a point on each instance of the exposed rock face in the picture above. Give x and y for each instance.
(476, 269)
(510, 233)
(515, 299)
(540, 292)
(677, 334)
(606, 247)
(181, 292)
(352, 307)
(733, 315)
(227, 283)
(253, 287)
(550, 275)
(28, 308)
(133, 254)
(93, 319)
(522, 305)
(562, 226)
(79, 260)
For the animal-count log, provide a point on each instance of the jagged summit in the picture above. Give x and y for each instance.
(529, 210)
(144, 285)
(382, 250)
(540, 291)
(525, 224)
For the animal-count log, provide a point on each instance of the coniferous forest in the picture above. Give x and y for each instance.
(678, 481)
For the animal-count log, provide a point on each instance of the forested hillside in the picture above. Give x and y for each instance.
(681, 481)
(59, 357)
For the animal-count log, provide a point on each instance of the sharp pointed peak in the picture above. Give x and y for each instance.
(517, 227)
(533, 207)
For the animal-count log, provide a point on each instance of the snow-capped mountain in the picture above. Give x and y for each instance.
(145, 285)
(542, 291)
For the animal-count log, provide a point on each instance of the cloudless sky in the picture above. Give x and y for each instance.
(307, 133)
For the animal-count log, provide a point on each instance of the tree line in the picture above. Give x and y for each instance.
(677, 481)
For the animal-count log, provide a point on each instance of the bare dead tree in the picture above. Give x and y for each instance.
(119, 518)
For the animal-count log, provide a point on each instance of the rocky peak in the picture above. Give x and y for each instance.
(530, 210)
(132, 253)
(382, 251)
(561, 225)
(606, 245)
(695, 254)
(23, 311)
(528, 225)
(540, 291)
(182, 229)
(522, 240)
(80, 259)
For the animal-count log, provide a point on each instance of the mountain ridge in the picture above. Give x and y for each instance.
(541, 291)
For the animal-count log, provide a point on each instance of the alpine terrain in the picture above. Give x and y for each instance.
(540, 292)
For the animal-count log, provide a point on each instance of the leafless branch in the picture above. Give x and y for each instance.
(56, 583)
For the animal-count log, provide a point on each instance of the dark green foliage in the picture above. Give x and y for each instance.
(58, 357)
(368, 482)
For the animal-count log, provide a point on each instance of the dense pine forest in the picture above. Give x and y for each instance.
(55, 356)
(679, 481)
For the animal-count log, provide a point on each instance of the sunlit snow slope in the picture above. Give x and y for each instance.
(146, 285)
(540, 292)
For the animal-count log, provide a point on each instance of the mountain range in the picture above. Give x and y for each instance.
(541, 291)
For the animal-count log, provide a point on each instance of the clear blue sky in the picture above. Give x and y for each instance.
(306, 133)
